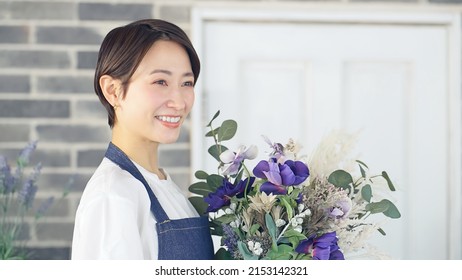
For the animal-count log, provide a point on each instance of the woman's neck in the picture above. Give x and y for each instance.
(141, 151)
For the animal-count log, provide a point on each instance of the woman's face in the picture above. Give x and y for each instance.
(159, 96)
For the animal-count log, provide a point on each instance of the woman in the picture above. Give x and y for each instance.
(130, 208)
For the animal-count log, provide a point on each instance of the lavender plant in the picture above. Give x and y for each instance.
(18, 190)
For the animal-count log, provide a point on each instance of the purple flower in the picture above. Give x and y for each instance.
(341, 209)
(27, 193)
(280, 176)
(232, 160)
(24, 156)
(221, 197)
(324, 247)
(5, 174)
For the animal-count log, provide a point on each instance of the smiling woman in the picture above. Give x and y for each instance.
(131, 208)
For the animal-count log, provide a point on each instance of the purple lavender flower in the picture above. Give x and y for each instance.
(27, 194)
(44, 206)
(230, 238)
(280, 176)
(24, 156)
(7, 180)
(324, 247)
(221, 197)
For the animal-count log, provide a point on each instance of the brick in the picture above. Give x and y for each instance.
(87, 60)
(14, 34)
(59, 207)
(14, 84)
(42, 10)
(90, 158)
(68, 35)
(50, 253)
(63, 182)
(125, 12)
(14, 132)
(65, 84)
(174, 158)
(175, 13)
(34, 59)
(24, 232)
(34, 109)
(55, 231)
(89, 109)
(73, 133)
(4, 10)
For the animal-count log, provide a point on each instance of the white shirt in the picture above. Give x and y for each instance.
(114, 220)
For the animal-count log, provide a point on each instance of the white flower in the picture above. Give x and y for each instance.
(255, 247)
(232, 160)
(280, 222)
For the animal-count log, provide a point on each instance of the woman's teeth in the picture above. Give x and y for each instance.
(168, 119)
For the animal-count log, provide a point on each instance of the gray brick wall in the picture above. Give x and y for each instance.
(47, 57)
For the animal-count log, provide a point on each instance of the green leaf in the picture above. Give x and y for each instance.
(254, 229)
(363, 172)
(392, 211)
(366, 193)
(200, 188)
(211, 133)
(202, 175)
(214, 117)
(245, 251)
(226, 219)
(214, 181)
(199, 204)
(289, 208)
(377, 207)
(215, 151)
(340, 178)
(381, 231)
(227, 130)
(222, 254)
(390, 184)
(283, 252)
(294, 233)
(362, 163)
(272, 229)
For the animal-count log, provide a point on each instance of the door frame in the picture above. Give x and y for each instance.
(451, 20)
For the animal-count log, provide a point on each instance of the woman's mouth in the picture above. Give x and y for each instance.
(170, 121)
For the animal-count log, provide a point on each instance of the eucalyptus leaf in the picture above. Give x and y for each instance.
(216, 150)
(214, 117)
(366, 193)
(212, 133)
(390, 184)
(363, 172)
(214, 181)
(392, 211)
(362, 163)
(340, 178)
(381, 231)
(200, 174)
(227, 130)
(199, 204)
(201, 188)
(222, 254)
(377, 207)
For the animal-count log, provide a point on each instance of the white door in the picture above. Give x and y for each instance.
(302, 79)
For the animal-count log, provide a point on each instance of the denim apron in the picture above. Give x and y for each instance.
(182, 239)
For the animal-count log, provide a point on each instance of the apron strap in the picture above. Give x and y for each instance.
(121, 159)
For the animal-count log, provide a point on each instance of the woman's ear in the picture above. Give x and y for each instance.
(111, 89)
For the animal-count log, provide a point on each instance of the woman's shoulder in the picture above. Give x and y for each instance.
(109, 181)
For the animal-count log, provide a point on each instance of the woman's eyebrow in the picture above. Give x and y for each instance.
(167, 72)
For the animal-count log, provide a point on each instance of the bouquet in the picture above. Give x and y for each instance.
(287, 207)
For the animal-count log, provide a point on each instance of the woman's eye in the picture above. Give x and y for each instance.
(188, 84)
(161, 82)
